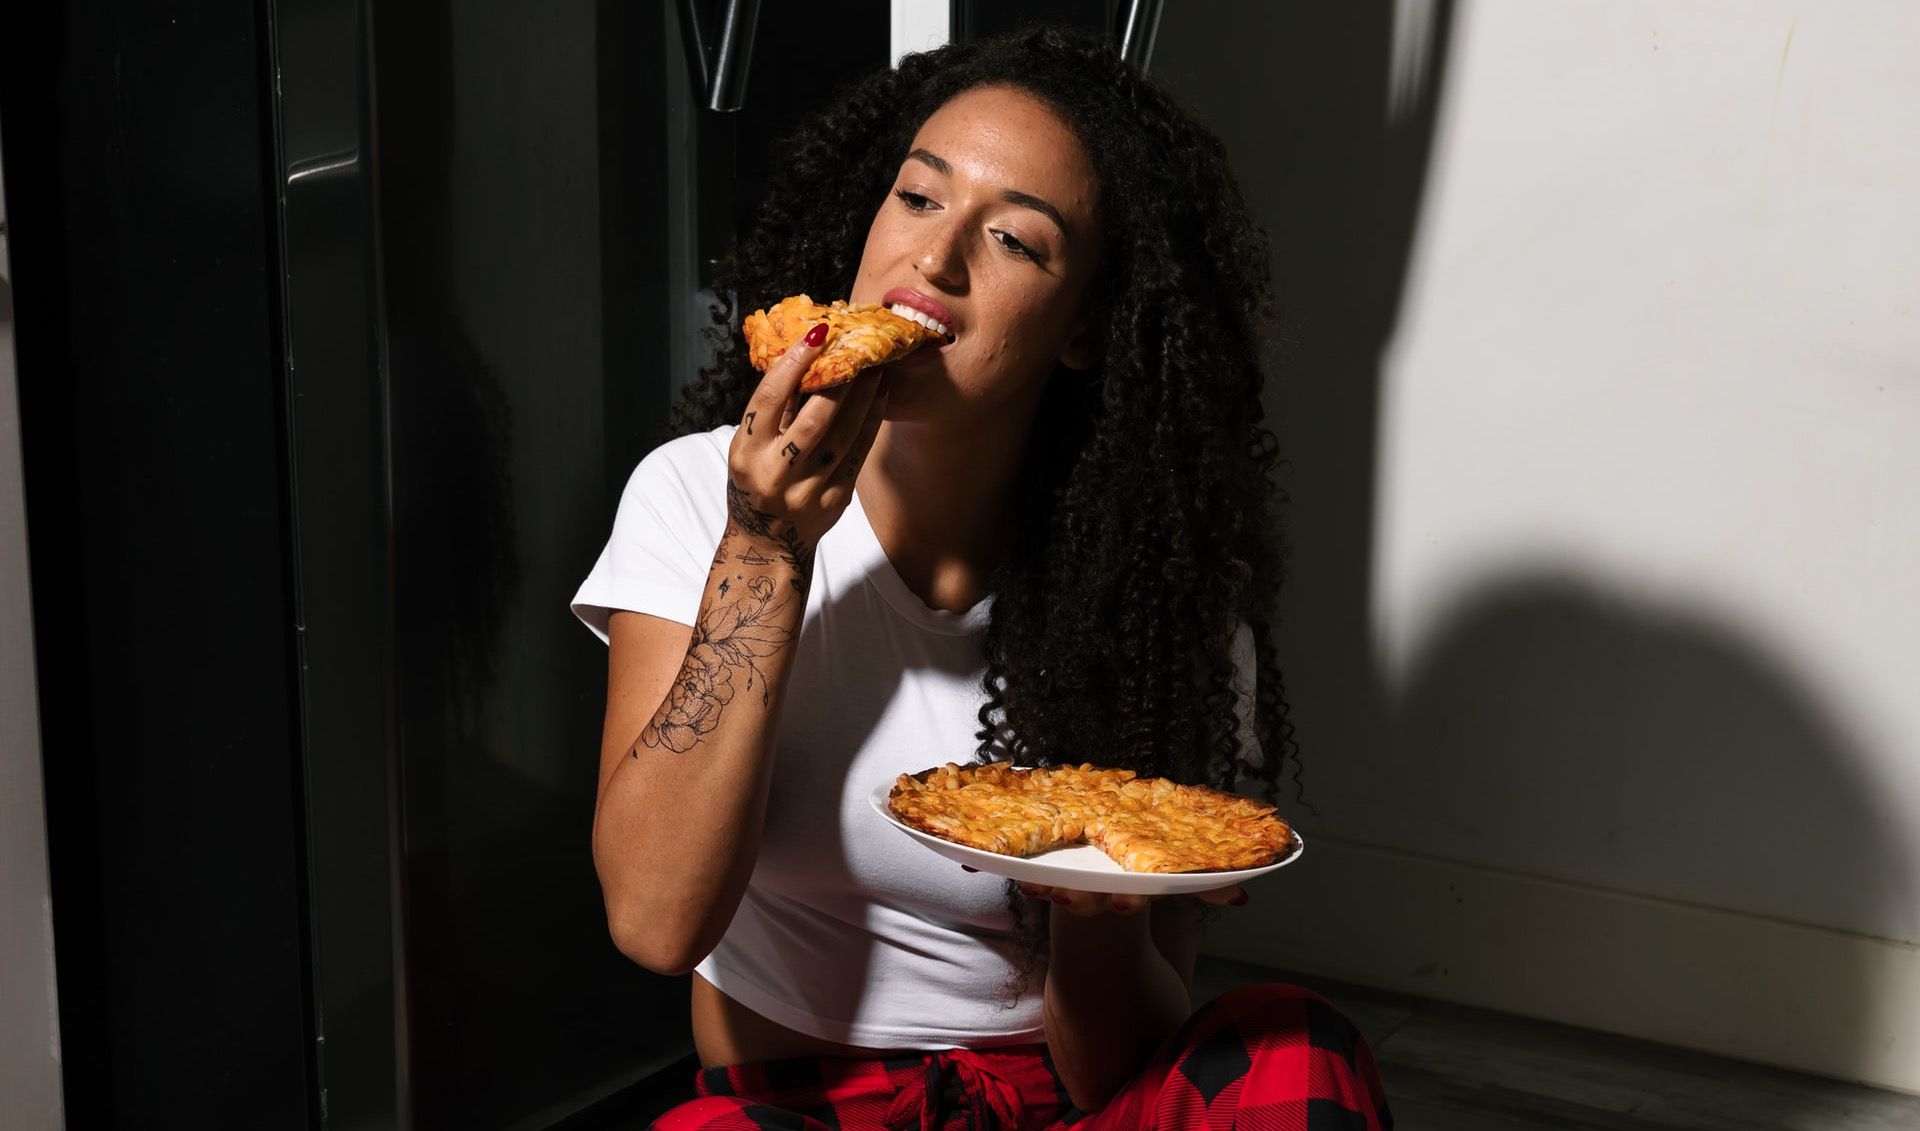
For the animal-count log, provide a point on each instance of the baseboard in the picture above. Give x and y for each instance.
(1772, 992)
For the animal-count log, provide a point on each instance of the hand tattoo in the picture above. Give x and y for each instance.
(791, 451)
(750, 417)
(731, 639)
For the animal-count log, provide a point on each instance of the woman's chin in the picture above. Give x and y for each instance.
(923, 356)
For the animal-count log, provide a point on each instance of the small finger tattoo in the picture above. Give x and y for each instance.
(826, 458)
(791, 451)
(750, 417)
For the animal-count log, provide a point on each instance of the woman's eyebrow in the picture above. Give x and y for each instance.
(932, 160)
(1012, 196)
(1028, 200)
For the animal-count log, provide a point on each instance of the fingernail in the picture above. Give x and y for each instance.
(965, 868)
(1122, 905)
(1238, 900)
(817, 335)
(1062, 900)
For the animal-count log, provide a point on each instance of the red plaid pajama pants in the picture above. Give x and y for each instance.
(1259, 1058)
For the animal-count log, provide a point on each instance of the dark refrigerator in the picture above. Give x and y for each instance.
(339, 328)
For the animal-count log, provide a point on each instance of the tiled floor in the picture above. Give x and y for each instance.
(1450, 1068)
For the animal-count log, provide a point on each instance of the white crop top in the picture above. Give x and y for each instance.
(849, 931)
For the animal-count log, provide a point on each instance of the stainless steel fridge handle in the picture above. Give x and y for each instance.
(1139, 26)
(718, 60)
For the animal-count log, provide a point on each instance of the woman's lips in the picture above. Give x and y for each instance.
(917, 303)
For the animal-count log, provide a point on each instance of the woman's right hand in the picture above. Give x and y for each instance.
(792, 465)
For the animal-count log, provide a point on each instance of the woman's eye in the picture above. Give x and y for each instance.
(1012, 243)
(914, 201)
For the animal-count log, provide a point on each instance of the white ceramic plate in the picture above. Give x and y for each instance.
(1081, 867)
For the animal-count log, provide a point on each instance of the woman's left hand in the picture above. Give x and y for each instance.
(1089, 903)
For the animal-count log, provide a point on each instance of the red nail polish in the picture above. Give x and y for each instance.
(817, 335)
(1062, 900)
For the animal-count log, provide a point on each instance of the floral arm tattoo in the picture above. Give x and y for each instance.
(739, 627)
(733, 636)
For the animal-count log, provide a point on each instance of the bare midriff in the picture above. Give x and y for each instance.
(726, 1032)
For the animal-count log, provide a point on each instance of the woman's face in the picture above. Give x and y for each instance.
(991, 231)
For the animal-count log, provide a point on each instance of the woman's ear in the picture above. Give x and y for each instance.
(1088, 345)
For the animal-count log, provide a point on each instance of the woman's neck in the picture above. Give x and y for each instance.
(942, 505)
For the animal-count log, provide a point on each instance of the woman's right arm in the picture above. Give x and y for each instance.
(687, 751)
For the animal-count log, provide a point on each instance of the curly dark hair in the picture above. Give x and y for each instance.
(1148, 531)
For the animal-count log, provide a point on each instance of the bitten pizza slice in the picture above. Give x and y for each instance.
(859, 336)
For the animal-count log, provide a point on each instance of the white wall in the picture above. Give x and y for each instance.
(29, 1037)
(1604, 405)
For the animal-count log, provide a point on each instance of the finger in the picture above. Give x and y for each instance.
(856, 456)
(827, 423)
(1086, 904)
(966, 868)
(1235, 896)
(782, 381)
(846, 475)
(803, 432)
(850, 418)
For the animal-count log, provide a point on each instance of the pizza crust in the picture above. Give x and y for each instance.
(1143, 824)
(859, 336)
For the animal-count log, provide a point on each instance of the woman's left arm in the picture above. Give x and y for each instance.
(1119, 980)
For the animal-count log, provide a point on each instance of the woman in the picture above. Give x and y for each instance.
(1046, 539)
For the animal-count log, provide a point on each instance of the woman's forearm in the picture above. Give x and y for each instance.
(679, 819)
(687, 750)
(1112, 997)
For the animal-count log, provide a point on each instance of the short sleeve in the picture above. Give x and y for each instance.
(671, 516)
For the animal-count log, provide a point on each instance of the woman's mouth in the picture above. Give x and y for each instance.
(925, 319)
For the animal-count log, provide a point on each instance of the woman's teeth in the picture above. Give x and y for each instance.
(927, 320)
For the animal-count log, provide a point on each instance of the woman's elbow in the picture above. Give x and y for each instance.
(661, 948)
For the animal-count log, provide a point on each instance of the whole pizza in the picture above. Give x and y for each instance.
(1143, 824)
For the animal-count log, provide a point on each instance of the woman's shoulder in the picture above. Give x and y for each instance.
(698, 449)
(692, 465)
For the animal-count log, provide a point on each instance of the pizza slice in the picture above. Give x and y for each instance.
(859, 336)
(991, 814)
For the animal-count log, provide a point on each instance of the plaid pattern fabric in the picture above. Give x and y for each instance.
(1259, 1058)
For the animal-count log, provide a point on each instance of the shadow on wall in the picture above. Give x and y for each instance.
(1552, 728)
(1579, 734)
(1545, 726)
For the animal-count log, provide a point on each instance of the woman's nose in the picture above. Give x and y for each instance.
(943, 258)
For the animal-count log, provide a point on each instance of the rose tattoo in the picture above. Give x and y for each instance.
(728, 643)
